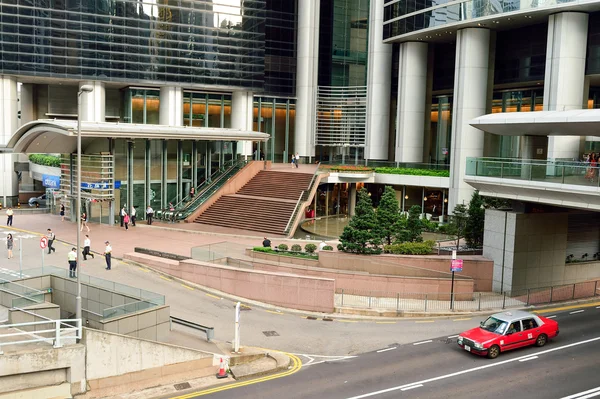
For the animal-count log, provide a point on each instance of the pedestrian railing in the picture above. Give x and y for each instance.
(21, 294)
(132, 307)
(302, 198)
(60, 331)
(460, 301)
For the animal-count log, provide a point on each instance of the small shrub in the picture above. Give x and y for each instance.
(410, 248)
(283, 247)
(46, 160)
(412, 171)
(296, 248)
(327, 248)
(310, 248)
(262, 249)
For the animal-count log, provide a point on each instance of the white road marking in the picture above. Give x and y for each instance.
(453, 336)
(387, 349)
(550, 317)
(597, 307)
(423, 342)
(487, 366)
(577, 311)
(584, 395)
(528, 359)
(412, 387)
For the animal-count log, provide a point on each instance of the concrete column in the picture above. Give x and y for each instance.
(352, 199)
(412, 87)
(242, 107)
(9, 123)
(163, 179)
(27, 103)
(148, 179)
(170, 111)
(470, 95)
(565, 71)
(93, 104)
(379, 76)
(306, 76)
(130, 161)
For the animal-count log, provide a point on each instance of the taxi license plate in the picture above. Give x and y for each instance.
(467, 348)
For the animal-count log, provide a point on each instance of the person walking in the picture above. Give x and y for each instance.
(133, 213)
(9, 216)
(293, 160)
(126, 221)
(123, 213)
(149, 214)
(84, 222)
(72, 258)
(51, 238)
(9, 245)
(192, 193)
(297, 159)
(87, 243)
(107, 254)
(62, 212)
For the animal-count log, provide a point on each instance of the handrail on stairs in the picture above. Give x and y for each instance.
(301, 199)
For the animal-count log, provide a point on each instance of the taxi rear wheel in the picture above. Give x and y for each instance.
(541, 340)
(493, 352)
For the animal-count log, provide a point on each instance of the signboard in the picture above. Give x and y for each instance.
(50, 181)
(100, 185)
(456, 265)
(43, 242)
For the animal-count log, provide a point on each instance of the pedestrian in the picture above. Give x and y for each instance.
(149, 214)
(51, 238)
(84, 222)
(172, 211)
(297, 159)
(293, 160)
(87, 243)
(72, 258)
(126, 221)
(322, 245)
(62, 212)
(9, 245)
(123, 213)
(133, 213)
(107, 254)
(192, 193)
(9, 216)
(266, 243)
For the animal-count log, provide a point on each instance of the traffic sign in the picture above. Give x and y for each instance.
(456, 265)
(43, 242)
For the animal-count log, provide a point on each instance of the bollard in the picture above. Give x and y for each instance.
(397, 301)
(342, 297)
(425, 303)
(528, 292)
(504, 300)
(573, 292)
(551, 292)
(595, 287)
(370, 299)
(479, 305)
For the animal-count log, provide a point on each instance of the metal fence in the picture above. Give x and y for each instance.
(60, 331)
(472, 301)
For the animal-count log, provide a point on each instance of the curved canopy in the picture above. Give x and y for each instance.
(577, 122)
(60, 136)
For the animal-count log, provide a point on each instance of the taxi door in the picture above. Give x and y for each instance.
(516, 338)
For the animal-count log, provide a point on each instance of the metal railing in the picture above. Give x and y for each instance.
(338, 160)
(550, 171)
(303, 197)
(59, 333)
(210, 331)
(472, 301)
(24, 295)
(127, 308)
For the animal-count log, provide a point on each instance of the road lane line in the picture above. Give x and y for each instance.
(188, 287)
(462, 319)
(597, 307)
(467, 371)
(385, 322)
(213, 296)
(577, 311)
(423, 342)
(273, 312)
(412, 387)
(550, 317)
(424, 321)
(552, 310)
(386, 349)
(453, 336)
(581, 394)
(528, 359)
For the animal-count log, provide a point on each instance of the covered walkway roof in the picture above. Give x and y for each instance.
(60, 136)
(578, 122)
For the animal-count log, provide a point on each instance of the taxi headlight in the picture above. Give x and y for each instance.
(477, 345)
(459, 339)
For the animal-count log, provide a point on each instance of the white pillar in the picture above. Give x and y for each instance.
(379, 76)
(565, 74)
(306, 76)
(470, 96)
(170, 109)
(412, 88)
(27, 103)
(9, 123)
(93, 104)
(242, 107)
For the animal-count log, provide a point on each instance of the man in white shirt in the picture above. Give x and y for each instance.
(107, 254)
(149, 214)
(72, 258)
(9, 216)
(132, 214)
(87, 243)
(122, 214)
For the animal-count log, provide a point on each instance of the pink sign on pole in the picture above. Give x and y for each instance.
(456, 265)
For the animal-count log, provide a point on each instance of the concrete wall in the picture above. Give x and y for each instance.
(292, 291)
(151, 324)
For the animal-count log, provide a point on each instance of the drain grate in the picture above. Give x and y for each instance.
(271, 333)
(183, 385)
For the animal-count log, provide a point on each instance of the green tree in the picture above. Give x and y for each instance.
(413, 224)
(361, 236)
(388, 215)
(475, 221)
(458, 222)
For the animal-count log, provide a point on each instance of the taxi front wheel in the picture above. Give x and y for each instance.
(493, 352)
(541, 340)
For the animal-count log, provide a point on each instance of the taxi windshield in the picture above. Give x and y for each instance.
(494, 325)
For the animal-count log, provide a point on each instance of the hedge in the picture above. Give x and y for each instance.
(286, 253)
(46, 160)
(410, 248)
(412, 172)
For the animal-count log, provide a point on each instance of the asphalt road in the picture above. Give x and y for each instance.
(438, 368)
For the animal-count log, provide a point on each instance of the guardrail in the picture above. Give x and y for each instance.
(59, 332)
(210, 331)
(25, 295)
(301, 199)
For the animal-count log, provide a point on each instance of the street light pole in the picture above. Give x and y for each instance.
(82, 89)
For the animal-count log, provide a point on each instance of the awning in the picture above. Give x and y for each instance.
(577, 122)
(48, 136)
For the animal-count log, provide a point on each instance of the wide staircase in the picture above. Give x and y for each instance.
(264, 204)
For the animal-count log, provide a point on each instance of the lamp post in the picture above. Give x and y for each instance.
(82, 89)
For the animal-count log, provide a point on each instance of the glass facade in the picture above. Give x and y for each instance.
(280, 47)
(519, 60)
(277, 118)
(206, 110)
(193, 42)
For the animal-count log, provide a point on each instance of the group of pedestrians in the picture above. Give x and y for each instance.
(87, 244)
(295, 160)
(127, 218)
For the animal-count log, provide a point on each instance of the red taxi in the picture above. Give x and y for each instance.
(508, 330)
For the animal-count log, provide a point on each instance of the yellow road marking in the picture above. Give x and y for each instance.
(165, 278)
(245, 306)
(296, 365)
(385, 322)
(347, 321)
(581, 305)
(304, 317)
(189, 288)
(424, 321)
(144, 270)
(213, 296)
(273, 312)
(463, 319)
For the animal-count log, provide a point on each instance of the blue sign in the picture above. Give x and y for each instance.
(95, 186)
(50, 181)
(117, 183)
